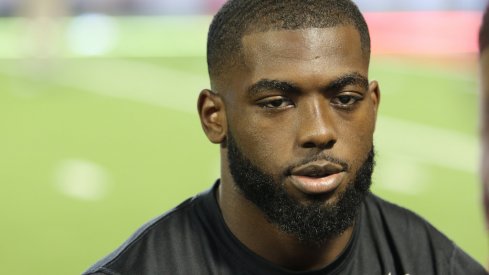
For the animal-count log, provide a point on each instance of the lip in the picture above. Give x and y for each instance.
(317, 186)
(318, 177)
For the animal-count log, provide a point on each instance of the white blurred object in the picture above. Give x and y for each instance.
(402, 175)
(82, 179)
(92, 34)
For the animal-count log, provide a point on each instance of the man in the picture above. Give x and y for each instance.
(484, 69)
(294, 113)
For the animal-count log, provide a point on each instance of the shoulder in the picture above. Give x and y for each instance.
(403, 224)
(412, 240)
(394, 215)
(154, 241)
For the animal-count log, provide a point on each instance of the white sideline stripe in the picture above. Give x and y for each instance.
(401, 174)
(427, 144)
(161, 86)
(147, 83)
(135, 81)
(398, 68)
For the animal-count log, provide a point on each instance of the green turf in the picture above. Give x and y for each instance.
(133, 116)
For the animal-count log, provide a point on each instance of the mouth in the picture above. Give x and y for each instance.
(318, 177)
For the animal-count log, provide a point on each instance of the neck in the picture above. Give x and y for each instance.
(250, 226)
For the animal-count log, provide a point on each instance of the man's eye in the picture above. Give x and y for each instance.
(276, 103)
(346, 100)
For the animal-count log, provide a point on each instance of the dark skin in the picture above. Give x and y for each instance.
(298, 92)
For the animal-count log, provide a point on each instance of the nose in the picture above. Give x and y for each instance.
(317, 129)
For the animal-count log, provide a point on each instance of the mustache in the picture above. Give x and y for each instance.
(313, 158)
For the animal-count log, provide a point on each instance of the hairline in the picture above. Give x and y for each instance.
(239, 57)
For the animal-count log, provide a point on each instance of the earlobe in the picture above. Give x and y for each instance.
(212, 115)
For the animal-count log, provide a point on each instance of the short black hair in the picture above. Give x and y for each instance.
(240, 17)
(484, 31)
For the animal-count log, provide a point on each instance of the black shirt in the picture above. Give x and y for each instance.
(194, 239)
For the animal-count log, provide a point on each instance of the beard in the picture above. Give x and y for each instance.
(312, 223)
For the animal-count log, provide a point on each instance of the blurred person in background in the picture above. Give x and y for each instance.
(294, 113)
(43, 29)
(484, 122)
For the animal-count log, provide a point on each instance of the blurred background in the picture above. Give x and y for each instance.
(99, 131)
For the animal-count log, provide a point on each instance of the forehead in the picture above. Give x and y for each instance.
(305, 51)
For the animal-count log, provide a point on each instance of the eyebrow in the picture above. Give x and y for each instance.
(268, 84)
(289, 87)
(346, 80)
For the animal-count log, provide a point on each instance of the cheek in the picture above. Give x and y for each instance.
(265, 142)
(356, 134)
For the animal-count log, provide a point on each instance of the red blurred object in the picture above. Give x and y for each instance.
(215, 5)
(424, 32)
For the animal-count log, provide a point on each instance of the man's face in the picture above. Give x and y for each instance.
(303, 114)
(485, 127)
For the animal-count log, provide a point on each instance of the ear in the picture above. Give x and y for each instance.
(374, 91)
(212, 116)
